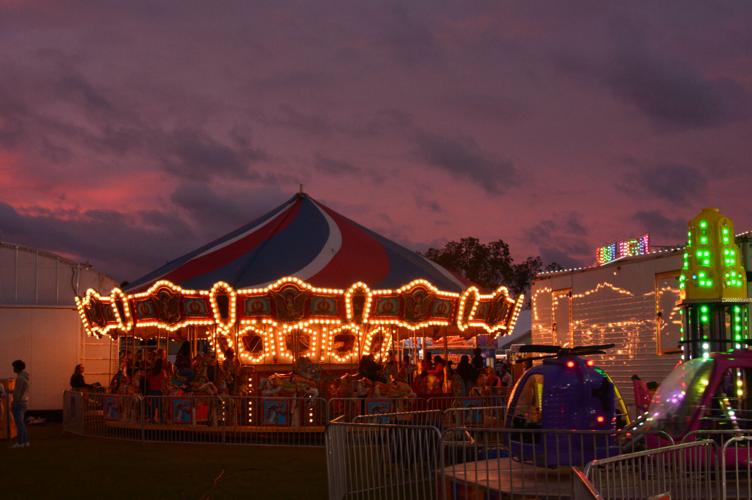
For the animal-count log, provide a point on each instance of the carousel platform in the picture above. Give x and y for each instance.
(278, 435)
(156, 427)
(500, 478)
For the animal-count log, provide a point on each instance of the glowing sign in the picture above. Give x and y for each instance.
(626, 248)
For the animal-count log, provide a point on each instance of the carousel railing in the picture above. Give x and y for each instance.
(295, 421)
(207, 418)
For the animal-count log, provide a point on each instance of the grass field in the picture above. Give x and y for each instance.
(59, 465)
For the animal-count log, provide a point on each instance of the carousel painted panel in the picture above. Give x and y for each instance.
(196, 308)
(386, 307)
(256, 307)
(324, 307)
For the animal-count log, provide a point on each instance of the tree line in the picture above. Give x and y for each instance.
(489, 265)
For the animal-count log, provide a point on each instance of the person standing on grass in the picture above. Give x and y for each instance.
(20, 403)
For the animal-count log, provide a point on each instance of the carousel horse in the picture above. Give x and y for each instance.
(305, 368)
(350, 386)
(288, 385)
(393, 390)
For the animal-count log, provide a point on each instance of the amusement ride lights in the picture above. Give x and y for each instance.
(229, 327)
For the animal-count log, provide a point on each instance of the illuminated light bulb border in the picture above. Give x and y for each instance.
(222, 327)
(501, 293)
(516, 313)
(417, 284)
(94, 330)
(218, 288)
(284, 352)
(352, 356)
(585, 268)
(461, 323)
(269, 347)
(366, 305)
(167, 284)
(537, 309)
(289, 280)
(126, 324)
(385, 344)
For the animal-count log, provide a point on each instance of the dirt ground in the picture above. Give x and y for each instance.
(59, 465)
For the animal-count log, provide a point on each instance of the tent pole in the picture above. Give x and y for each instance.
(446, 346)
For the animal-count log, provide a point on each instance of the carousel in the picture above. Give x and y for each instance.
(297, 298)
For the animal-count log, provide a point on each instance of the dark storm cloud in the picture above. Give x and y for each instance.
(673, 183)
(485, 106)
(425, 199)
(219, 212)
(383, 121)
(196, 155)
(333, 166)
(408, 37)
(463, 158)
(296, 80)
(563, 241)
(673, 94)
(185, 115)
(288, 116)
(118, 242)
(321, 124)
(662, 229)
(76, 88)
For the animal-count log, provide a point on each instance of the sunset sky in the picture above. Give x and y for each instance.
(132, 132)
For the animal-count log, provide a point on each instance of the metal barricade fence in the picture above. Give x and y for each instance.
(483, 416)
(720, 436)
(377, 461)
(349, 408)
(446, 402)
(473, 416)
(736, 468)
(422, 417)
(529, 463)
(198, 418)
(685, 471)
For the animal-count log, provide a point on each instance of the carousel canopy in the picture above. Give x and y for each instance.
(305, 239)
(302, 270)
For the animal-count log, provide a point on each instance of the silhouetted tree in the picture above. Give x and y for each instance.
(489, 265)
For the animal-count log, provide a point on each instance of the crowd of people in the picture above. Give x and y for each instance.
(150, 373)
(434, 375)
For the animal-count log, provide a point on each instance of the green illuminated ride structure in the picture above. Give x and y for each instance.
(713, 284)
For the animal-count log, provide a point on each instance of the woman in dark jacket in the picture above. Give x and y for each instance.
(77, 381)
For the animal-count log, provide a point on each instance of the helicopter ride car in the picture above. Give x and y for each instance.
(705, 397)
(564, 411)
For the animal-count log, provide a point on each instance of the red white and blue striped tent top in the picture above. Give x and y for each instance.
(305, 239)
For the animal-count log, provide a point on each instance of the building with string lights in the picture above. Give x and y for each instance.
(634, 297)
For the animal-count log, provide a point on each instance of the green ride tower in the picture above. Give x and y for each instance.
(713, 286)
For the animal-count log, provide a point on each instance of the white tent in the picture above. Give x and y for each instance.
(40, 325)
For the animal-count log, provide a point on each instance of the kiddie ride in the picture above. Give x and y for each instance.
(562, 412)
(705, 397)
(565, 411)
